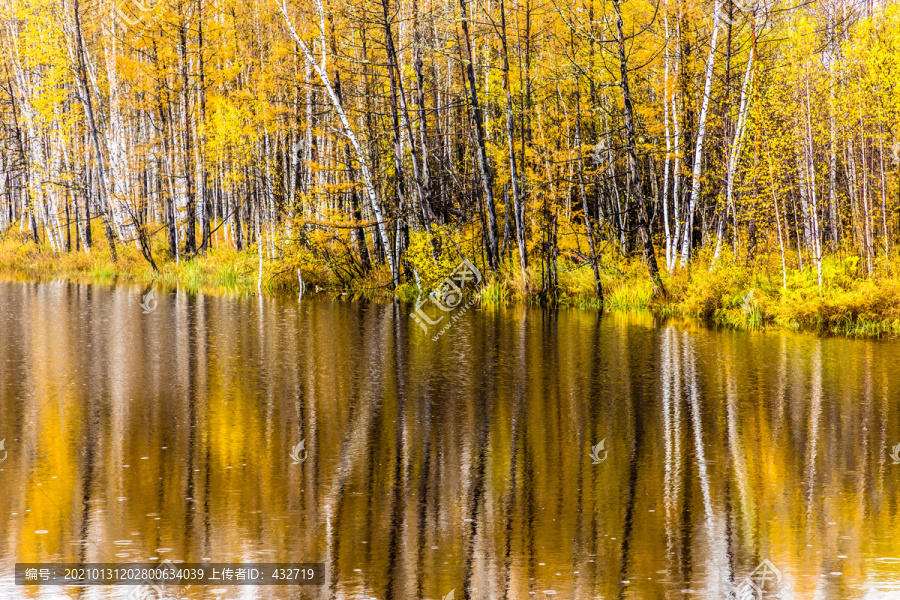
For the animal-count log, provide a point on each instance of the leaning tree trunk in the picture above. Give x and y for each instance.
(351, 135)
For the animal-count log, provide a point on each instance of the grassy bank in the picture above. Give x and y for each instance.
(742, 297)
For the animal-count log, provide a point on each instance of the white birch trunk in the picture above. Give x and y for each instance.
(734, 155)
(676, 167)
(665, 193)
(348, 131)
(817, 238)
(701, 136)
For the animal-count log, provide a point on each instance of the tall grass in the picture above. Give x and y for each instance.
(849, 303)
(494, 293)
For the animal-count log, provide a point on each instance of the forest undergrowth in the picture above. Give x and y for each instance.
(745, 295)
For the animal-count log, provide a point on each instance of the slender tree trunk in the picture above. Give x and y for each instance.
(351, 135)
(480, 148)
(205, 204)
(884, 210)
(864, 179)
(102, 188)
(676, 167)
(23, 156)
(164, 161)
(701, 136)
(778, 223)
(665, 193)
(190, 240)
(598, 286)
(817, 238)
(401, 236)
(513, 175)
(734, 154)
(832, 158)
(637, 185)
(427, 211)
(399, 92)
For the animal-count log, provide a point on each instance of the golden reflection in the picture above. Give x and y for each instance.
(462, 464)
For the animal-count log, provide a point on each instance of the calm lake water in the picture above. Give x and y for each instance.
(462, 464)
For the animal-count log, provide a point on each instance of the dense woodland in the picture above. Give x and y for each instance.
(392, 137)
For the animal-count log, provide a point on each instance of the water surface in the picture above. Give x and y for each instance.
(459, 464)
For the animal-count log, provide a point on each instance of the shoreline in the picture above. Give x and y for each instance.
(740, 298)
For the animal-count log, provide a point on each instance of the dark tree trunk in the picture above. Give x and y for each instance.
(190, 240)
(480, 149)
(584, 200)
(105, 205)
(637, 185)
(205, 203)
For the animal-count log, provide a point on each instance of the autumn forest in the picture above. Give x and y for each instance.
(708, 156)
